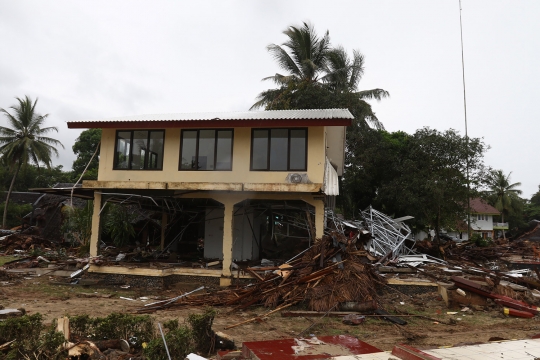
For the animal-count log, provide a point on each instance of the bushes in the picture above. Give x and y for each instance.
(480, 241)
(15, 213)
(181, 340)
(35, 341)
(77, 225)
(135, 328)
(201, 326)
(32, 339)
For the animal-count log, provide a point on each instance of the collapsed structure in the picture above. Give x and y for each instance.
(227, 184)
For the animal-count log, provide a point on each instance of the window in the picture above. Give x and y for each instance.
(481, 217)
(206, 150)
(279, 149)
(139, 150)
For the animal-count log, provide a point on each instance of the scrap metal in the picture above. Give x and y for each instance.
(388, 235)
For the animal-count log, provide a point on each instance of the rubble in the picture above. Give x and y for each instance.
(330, 272)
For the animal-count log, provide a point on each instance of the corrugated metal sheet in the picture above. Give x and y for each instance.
(243, 115)
(331, 180)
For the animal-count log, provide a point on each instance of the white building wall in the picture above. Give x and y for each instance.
(244, 244)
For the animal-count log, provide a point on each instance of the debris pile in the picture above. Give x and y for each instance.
(10, 244)
(330, 272)
(388, 235)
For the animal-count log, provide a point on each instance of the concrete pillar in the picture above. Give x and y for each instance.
(228, 219)
(319, 218)
(95, 235)
(164, 219)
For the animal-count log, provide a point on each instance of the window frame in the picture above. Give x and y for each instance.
(269, 130)
(197, 148)
(146, 154)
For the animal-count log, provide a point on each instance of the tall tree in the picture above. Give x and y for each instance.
(502, 194)
(317, 77)
(422, 175)
(342, 77)
(85, 146)
(25, 140)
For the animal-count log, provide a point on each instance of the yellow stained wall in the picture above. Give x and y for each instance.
(240, 168)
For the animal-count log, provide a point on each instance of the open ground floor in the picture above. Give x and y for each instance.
(205, 233)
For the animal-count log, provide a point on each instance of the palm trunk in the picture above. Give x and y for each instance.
(9, 194)
(502, 220)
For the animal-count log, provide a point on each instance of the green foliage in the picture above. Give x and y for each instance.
(118, 224)
(114, 326)
(80, 325)
(422, 175)
(33, 177)
(201, 325)
(25, 140)
(480, 241)
(501, 194)
(531, 208)
(318, 77)
(15, 213)
(77, 225)
(32, 339)
(84, 147)
(179, 340)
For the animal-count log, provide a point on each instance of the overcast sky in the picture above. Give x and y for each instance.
(97, 59)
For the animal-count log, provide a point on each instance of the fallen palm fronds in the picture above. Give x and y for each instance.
(330, 272)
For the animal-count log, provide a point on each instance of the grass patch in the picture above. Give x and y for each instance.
(6, 259)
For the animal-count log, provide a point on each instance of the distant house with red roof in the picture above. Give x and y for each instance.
(481, 221)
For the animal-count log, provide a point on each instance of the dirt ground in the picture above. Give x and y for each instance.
(40, 294)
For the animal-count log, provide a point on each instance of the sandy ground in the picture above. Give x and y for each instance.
(39, 294)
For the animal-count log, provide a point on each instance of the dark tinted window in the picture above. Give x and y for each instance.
(206, 150)
(139, 150)
(279, 149)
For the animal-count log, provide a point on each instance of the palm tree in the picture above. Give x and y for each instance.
(503, 195)
(304, 60)
(25, 141)
(343, 75)
(318, 76)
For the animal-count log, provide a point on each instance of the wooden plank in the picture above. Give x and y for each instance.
(259, 317)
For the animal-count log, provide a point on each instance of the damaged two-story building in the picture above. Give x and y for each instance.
(237, 174)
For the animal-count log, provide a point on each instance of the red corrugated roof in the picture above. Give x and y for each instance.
(479, 206)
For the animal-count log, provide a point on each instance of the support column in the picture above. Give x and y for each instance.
(164, 219)
(319, 218)
(228, 218)
(95, 235)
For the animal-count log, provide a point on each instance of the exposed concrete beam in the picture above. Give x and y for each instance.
(94, 184)
(125, 270)
(202, 186)
(309, 188)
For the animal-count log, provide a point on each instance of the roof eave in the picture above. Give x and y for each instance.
(206, 123)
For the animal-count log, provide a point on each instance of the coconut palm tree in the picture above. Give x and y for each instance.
(25, 141)
(342, 77)
(503, 195)
(302, 56)
(318, 76)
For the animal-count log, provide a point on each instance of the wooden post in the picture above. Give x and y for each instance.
(63, 327)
